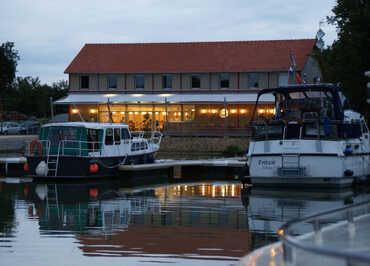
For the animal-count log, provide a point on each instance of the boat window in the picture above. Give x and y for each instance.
(117, 136)
(142, 145)
(92, 139)
(125, 134)
(56, 134)
(109, 136)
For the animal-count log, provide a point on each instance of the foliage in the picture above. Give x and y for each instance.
(232, 151)
(32, 98)
(8, 66)
(346, 60)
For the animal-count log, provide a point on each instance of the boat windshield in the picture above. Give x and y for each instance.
(311, 113)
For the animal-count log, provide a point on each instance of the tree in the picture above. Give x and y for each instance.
(346, 60)
(8, 66)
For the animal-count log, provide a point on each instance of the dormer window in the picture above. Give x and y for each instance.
(112, 82)
(167, 82)
(195, 81)
(84, 82)
(139, 81)
(224, 80)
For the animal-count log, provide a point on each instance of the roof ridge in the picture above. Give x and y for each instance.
(200, 42)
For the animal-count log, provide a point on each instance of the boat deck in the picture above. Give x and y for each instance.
(346, 242)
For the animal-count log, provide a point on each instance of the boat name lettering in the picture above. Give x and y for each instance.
(266, 163)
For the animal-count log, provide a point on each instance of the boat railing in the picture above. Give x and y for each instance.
(337, 237)
(80, 148)
(137, 134)
(304, 129)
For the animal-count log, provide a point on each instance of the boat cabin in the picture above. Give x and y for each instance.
(305, 112)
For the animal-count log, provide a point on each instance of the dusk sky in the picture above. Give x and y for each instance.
(49, 34)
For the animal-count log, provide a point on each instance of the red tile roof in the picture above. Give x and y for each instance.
(191, 57)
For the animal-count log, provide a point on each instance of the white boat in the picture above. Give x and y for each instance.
(307, 139)
(88, 150)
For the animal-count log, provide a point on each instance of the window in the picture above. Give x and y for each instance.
(109, 136)
(125, 134)
(139, 81)
(253, 80)
(167, 82)
(224, 80)
(283, 79)
(117, 136)
(84, 80)
(195, 81)
(112, 82)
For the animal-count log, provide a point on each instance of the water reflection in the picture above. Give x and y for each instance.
(183, 223)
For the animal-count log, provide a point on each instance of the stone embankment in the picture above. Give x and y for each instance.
(15, 143)
(200, 147)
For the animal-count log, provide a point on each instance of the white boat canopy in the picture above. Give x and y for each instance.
(246, 98)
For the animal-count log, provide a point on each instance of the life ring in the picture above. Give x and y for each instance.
(33, 145)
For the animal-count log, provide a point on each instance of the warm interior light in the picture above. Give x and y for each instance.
(136, 113)
(122, 113)
(150, 113)
(204, 111)
(74, 111)
(193, 110)
(92, 111)
(261, 111)
(233, 111)
(214, 111)
(157, 113)
(175, 114)
(114, 113)
(137, 95)
(186, 114)
(163, 113)
(242, 111)
(144, 113)
(130, 113)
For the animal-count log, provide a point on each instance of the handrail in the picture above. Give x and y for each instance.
(290, 241)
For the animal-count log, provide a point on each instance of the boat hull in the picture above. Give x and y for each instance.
(72, 167)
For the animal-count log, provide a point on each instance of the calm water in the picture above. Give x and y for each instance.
(109, 223)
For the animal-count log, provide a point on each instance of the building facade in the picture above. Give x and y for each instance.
(205, 88)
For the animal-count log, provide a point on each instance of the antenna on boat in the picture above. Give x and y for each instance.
(109, 112)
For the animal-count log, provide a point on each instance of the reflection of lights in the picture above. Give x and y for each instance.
(137, 95)
(186, 188)
(74, 111)
(203, 111)
(165, 94)
(92, 111)
(280, 232)
(272, 253)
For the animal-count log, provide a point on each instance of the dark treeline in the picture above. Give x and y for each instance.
(24, 95)
(346, 60)
(28, 96)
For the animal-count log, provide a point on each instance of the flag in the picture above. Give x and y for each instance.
(292, 60)
(299, 80)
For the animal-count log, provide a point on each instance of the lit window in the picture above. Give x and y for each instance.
(167, 82)
(253, 80)
(112, 82)
(195, 81)
(84, 82)
(224, 80)
(139, 81)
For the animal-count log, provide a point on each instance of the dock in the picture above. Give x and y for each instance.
(13, 166)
